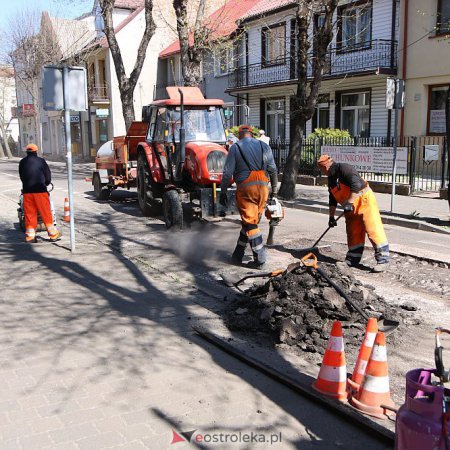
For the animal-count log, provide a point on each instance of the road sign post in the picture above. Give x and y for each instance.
(64, 88)
(395, 99)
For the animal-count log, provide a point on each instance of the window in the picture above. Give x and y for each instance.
(321, 118)
(274, 44)
(436, 109)
(275, 119)
(199, 124)
(355, 27)
(160, 125)
(223, 61)
(355, 113)
(443, 17)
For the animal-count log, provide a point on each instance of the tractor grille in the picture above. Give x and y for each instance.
(216, 161)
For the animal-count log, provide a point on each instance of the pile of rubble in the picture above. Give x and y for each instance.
(300, 307)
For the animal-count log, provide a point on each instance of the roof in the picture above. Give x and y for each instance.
(192, 96)
(71, 35)
(264, 7)
(6, 71)
(128, 4)
(222, 22)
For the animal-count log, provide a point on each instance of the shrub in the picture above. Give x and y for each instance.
(330, 133)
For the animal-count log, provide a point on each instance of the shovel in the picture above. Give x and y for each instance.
(314, 246)
(231, 282)
(385, 325)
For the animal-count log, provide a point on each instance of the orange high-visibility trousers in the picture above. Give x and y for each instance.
(32, 204)
(251, 198)
(366, 218)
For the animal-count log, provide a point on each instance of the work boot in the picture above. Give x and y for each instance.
(56, 237)
(235, 260)
(380, 267)
(31, 241)
(256, 265)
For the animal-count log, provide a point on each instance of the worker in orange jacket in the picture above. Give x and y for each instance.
(36, 176)
(362, 215)
(249, 162)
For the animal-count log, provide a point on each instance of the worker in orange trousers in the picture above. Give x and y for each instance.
(36, 176)
(251, 164)
(362, 215)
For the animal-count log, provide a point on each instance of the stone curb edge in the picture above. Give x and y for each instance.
(388, 220)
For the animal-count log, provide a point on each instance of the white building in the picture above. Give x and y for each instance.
(362, 55)
(8, 103)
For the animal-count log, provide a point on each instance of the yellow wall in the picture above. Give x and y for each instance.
(428, 62)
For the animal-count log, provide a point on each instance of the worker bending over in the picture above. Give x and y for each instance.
(361, 211)
(36, 176)
(249, 162)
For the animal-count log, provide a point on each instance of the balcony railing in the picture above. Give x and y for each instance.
(365, 57)
(98, 93)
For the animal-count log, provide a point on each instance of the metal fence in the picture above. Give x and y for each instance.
(427, 166)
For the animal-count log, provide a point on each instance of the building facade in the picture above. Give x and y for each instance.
(425, 66)
(363, 53)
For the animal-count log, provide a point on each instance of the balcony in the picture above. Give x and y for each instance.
(98, 93)
(378, 56)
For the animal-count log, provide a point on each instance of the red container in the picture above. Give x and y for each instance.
(419, 421)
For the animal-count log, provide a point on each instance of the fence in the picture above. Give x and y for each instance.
(427, 165)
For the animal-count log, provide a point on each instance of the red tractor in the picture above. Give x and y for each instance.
(176, 154)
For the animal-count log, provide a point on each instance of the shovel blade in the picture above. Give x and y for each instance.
(387, 326)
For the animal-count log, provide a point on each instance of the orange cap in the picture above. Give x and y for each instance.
(324, 161)
(245, 129)
(31, 148)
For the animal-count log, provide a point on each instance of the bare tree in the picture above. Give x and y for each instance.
(304, 102)
(127, 84)
(191, 52)
(29, 47)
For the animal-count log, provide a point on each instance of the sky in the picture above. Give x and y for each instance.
(68, 9)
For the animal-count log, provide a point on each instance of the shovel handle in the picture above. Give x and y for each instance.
(326, 231)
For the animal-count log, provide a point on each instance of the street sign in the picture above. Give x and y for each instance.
(53, 88)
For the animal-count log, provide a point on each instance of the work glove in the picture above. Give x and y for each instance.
(332, 222)
(223, 199)
(348, 207)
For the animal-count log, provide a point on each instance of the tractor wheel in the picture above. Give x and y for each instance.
(101, 191)
(146, 200)
(173, 210)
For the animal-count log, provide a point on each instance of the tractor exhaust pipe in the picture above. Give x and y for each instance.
(182, 138)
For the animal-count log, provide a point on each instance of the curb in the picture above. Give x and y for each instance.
(388, 220)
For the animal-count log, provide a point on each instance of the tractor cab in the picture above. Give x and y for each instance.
(184, 152)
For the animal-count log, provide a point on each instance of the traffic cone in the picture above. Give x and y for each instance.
(363, 357)
(374, 390)
(332, 378)
(66, 210)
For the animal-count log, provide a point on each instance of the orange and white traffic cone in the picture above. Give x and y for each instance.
(363, 357)
(374, 390)
(66, 210)
(332, 378)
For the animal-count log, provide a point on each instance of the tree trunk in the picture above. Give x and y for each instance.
(127, 84)
(2, 152)
(191, 53)
(305, 101)
(127, 107)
